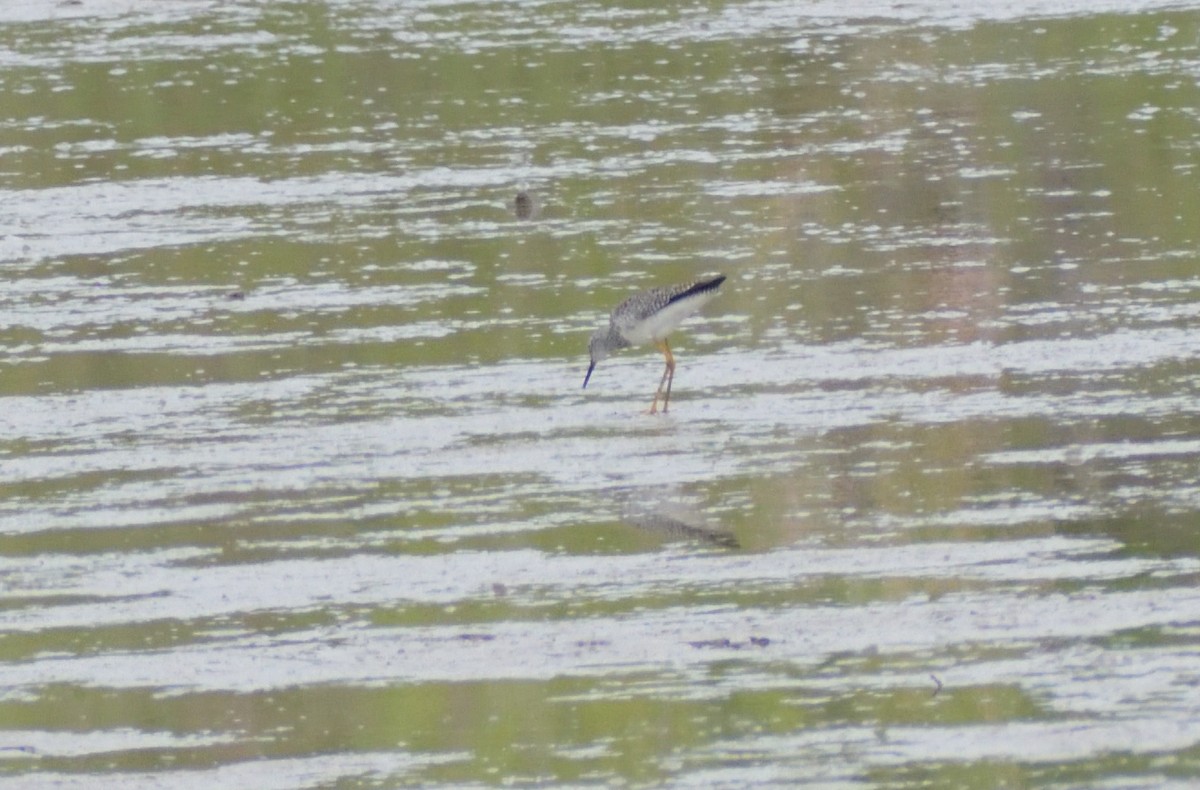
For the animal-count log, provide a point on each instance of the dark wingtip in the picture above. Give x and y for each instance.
(591, 367)
(702, 286)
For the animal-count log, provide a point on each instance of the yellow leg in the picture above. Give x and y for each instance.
(668, 376)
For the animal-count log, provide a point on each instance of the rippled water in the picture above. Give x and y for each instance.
(299, 487)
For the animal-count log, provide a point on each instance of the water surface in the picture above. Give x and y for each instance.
(299, 487)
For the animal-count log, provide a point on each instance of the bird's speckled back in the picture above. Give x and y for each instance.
(641, 306)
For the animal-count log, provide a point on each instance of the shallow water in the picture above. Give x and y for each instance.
(299, 487)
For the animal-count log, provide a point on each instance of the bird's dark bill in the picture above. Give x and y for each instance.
(591, 367)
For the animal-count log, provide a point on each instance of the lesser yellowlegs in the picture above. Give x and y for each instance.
(523, 205)
(648, 317)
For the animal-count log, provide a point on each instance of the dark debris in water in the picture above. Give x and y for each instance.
(729, 644)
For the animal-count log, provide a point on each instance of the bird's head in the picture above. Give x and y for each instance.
(597, 350)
